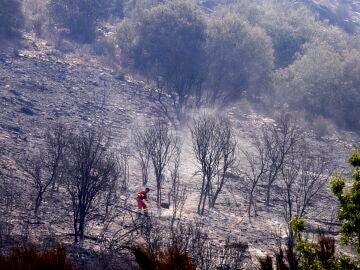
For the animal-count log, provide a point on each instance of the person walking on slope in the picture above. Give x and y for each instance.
(141, 197)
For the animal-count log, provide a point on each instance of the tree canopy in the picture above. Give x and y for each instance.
(11, 17)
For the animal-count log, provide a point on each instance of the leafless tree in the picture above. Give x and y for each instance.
(124, 157)
(35, 168)
(190, 239)
(9, 195)
(178, 190)
(56, 143)
(92, 173)
(227, 160)
(161, 146)
(8, 191)
(46, 167)
(142, 154)
(232, 255)
(192, 244)
(303, 180)
(207, 254)
(214, 149)
(278, 140)
(257, 163)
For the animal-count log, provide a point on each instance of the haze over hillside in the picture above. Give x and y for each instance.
(343, 13)
(346, 14)
(240, 116)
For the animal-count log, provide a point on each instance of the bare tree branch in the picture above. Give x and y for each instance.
(214, 149)
(93, 171)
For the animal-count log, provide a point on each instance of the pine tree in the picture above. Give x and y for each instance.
(349, 198)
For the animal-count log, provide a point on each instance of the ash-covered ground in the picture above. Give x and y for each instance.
(39, 86)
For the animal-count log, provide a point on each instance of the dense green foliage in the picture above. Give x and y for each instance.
(170, 48)
(320, 255)
(279, 52)
(240, 58)
(316, 63)
(288, 25)
(324, 82)
(11, 18)
(247, 49)
(80, 17)
(349, 200)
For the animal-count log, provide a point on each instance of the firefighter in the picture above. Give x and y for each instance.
(141, 197)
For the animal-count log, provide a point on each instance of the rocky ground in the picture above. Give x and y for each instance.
(40, 86)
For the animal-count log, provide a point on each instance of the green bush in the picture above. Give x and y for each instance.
(240, 58)
(80, 17)
(11, 18)
(349, 199)
(324, 82)
(169, 49)
(319, 255)
(288, 23)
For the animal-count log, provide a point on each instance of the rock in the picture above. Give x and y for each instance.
(27, 111)
(95, 83)
(104, 76)
(14, 92)
(2, 57)
(14, 129)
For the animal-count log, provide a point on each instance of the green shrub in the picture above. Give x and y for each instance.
(169, 49)
(80, 17)
(349, 199)
(240, 58)
(319, 255)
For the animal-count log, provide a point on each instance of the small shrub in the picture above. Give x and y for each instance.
(321, 127)
(81, 17)
(266, 263)
(318, 255)
(144, 258)
(29, 258)
(171, 258)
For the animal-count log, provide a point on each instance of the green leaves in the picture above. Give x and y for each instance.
(337, 185)
(354, 159)
(169, 49)
(349, 199)
(320, 254)
(80, 16)
(297, 225)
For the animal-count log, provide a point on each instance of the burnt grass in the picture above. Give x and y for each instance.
(39, 87)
